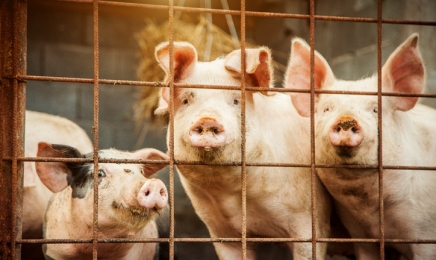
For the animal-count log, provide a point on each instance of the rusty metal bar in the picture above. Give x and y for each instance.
(222, 87)
(171, 127)
(256, 14)
(233, 163)
(380, 128)
(95, 129)
(14, 49)
(243, 138)
(312, 123)
(221, 240)
(6, 167)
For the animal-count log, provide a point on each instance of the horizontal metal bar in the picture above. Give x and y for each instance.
(256, 14)
(223, 240)
(252, 164)
(218, 87)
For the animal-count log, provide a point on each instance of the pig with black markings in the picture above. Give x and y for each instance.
(207, 128)
(128, 202)
(347, 133)
(42, 127)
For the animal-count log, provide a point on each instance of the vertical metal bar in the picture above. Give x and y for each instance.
(14, 49)
(243, 141)
(312, 123)
(95, 130)
(171, 125)
(380, 128)
(6, 167)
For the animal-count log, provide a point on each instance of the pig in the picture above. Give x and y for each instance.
(347, 134)
(128, 202)
(49, 128)
(207, 129)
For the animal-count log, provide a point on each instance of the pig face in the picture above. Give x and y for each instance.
(125, 196)
(207, 122)
(346, 125)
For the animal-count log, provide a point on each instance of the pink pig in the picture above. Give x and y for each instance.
(128, 202)
(48, 128)
(347, 133)
(207, 128)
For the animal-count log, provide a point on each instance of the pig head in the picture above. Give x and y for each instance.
(346, 125)
(128, 201)
(210, 120)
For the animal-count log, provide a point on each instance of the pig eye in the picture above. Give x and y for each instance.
(185, 101)
(326, 109)
(235, 102)
(375, 110)
(101, 174)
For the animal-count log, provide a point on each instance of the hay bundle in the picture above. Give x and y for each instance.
(149, 70)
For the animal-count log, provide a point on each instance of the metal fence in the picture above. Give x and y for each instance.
(13, 85)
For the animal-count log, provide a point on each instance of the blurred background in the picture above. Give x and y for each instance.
(60, 43)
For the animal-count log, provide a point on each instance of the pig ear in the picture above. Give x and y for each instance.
(298, 74)
(54, 174)
(151, 154)
(403, 72)
(185, 58)
(257, 66)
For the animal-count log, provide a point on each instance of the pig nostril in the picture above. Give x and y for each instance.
(147, 193)
(355, 129)
(337, 129)
(162, 192)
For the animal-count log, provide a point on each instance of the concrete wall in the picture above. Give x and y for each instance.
(60, 44)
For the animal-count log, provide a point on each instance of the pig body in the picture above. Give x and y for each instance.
(346, 133)
(49, 128)
(128, 203)
(207, 128)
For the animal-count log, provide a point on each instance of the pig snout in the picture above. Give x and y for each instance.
(346, 132)
(207, 133)
(153, 194)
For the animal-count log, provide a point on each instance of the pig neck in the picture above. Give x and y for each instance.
(355, 193)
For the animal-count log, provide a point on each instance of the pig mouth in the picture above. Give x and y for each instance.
(346, 152)
(134, 211)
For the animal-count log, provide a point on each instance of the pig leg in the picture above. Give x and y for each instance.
(233, 251)
(367, 251)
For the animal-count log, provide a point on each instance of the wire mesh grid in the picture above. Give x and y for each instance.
(14, 77)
